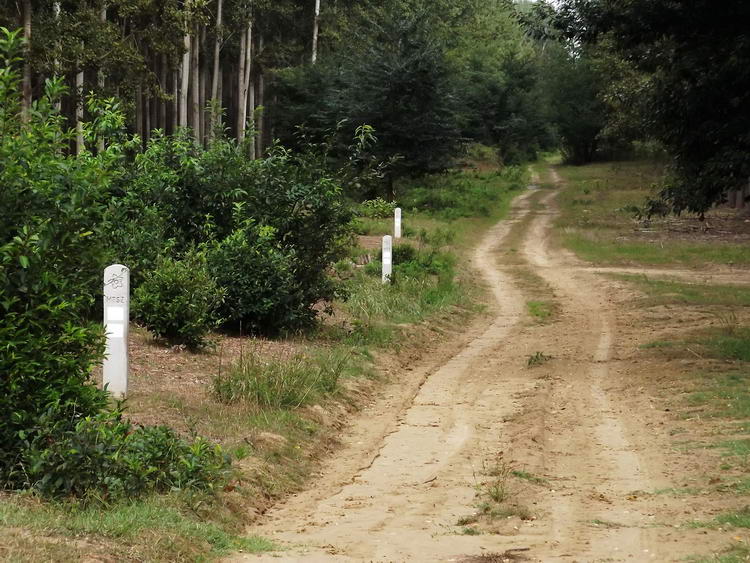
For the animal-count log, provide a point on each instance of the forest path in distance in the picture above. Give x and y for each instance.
(571, 454)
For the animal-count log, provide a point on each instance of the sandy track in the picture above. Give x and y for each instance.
(410, 466)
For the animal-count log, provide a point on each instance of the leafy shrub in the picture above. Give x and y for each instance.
(50, 267)
(259, 279)
(179, 301)
(377, 208)
(107, 457)
(283, 218)
(283, 383)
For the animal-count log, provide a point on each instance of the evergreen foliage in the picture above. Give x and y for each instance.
(691, 84)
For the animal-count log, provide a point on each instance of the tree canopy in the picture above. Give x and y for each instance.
(687, 81)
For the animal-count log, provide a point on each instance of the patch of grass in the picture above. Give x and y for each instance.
(679, 491)
(597, 219)
(661, 292)
(467, 520)
(726, 395)
(149, 529)
(738, 519)
(537, 359)
(283, 383)
(739, 486)
(471, 531)
(593, 246)
(542, 311)
(605, 524)
(734, 345)
(462, 194)
(738, 553)
(529, 477)
(496, 493)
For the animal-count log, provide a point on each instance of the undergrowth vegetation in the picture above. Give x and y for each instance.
(214, 240)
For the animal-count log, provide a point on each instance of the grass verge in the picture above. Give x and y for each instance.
(597, 221)
(153, 529)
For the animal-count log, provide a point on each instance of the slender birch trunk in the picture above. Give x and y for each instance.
(56, 62)
(261, 96)
(163, 87)
(100, 77)
(139, 111)
(241, 89)
(251, 110)
(216, 78)
(80, 145)
(248, 74)
(184, 81)
(316, 25)
(203, 85)
(175, 100)
(195, 103)
(26, 83)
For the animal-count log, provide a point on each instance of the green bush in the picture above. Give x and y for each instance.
(179, 301)
(50, 267)
(403, 253)
(106, 457)
(259, 278)
(273, 226)
(55, 205)
(377, 208)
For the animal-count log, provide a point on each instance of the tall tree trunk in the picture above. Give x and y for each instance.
(26, 84)
(175, 100)
(56, 62)
(80, 145)
(195, 103)
(139, 112)
(204, 126)
(216, 78)
(316, 25)
(100, 78)
(164, 90)
(185, 81)
(260, 126)
(242, 89)
(248, 85)
(251, 114)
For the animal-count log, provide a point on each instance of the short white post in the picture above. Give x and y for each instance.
(116, 317)
(397, 223)
(387, 258)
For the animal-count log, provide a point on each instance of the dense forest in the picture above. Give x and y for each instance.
(220, 148)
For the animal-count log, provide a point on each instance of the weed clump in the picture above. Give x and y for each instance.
(282, 383)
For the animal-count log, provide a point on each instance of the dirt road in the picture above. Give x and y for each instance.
(527, 444)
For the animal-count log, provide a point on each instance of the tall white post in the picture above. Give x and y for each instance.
(397, 223)
(116, 317)
(387, 258)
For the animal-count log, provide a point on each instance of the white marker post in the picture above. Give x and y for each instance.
(397, 223)
(387, 258)
(116, 316)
